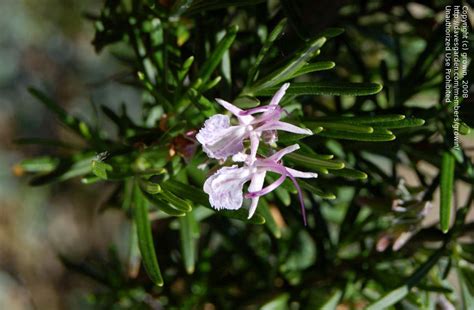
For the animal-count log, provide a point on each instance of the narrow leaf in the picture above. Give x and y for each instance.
(286, 72)
(163, 205)
(316, 190)
(272, 37)
(446, 190)
(312, 162)
(64, 171)
(145, 238)
(399, 293)
(100, 169)
(350, 173)
(369, 120)
(340, 126)
(40, 164)
(215, 58)
(316, 66)
(188, 241)
(269, 219)
(376, 136)
(325, 88)
(177, 202)
(404, 123)
(69, 121)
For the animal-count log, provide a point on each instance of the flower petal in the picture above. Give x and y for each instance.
(301, 174)
(219, 139)
(213, 128)
(275, 168)
(279, 125)
(279, 94)
(244, 119)
(254, 142)
(225, 187)
(256, 184)
(289, 149)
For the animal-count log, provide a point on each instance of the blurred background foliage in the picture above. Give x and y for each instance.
(373, 237)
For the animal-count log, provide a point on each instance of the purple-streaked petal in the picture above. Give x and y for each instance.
(230, 143)
(219, 139)
(244, 119)
(279, 94)
(213, 128)
(267, 189)
(300, 196)
(279, 125)
(259, 109)
(225, 187)
(254, 142)
(289, 149)
(301, 174)
(229, 107)
(256, 184)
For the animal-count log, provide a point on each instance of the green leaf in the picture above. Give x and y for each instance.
(204, 105)
(286, 72)
(279, 302)
(350, 173)
(310, 162)
(333, 301)
(145, 237)
(65, 170)
(340, 126)
(324, 88)
(99, 168)
(175, 201)
(332, 32)
(272, 37)
(211, 84)
(185, 68)
(163, 205)
(246, 102)
(368, 120)
(391, 298)
(466, 281)
(313, 189)
(180, 6)
(404, 123)
(269, 220)
(215, 57)
(149, 187)
(399, 293)
(54, 107)
(446, 190)
(187, 229)
(376, 136)
(283, 195)
(69, 121)
(313, 67)
(40, 164)
(464, 128)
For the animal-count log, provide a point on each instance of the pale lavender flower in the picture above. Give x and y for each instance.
(225, 187)
(221, 140)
